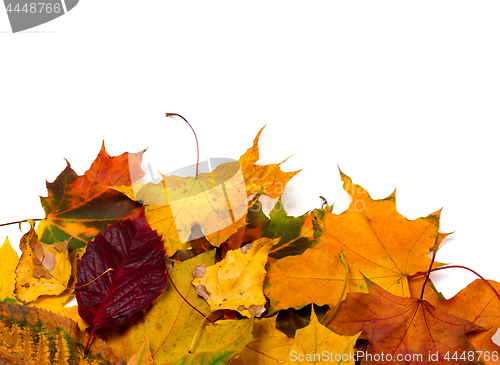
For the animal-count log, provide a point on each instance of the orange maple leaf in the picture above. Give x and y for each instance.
(375, 240)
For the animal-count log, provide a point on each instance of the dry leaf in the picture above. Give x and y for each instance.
(317, 344)
(271, 347)
(236, 281)
(403, 328)
(32, 336)
(43, 269)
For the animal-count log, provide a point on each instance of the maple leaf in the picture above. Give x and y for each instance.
(271, 347)
(219, 343)
(374, 238)
(290, 320)
(478, 303)
(82, 206)
(216, 201)
(137, 256)
(316, 343)
(403, 329)
(236, 281)
(8, 263)
(42, 269)
(378, 241)
(33, 336)
(270, 177)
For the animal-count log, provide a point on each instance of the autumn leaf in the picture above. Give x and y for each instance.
(478, 303)
(8, 263)
(378, 241)
(296, 234)
(219, 343)
(375, 240)
(316, 276)
(29, 335)
(82, 206)
(236, 281)
(57, 303)
(170, 323)
(143, 355)
(407, 329)
(270, 177)
(316, 343)
(137, 257)
(290, 320)
(215, 201)
(42, 269)
(271, 347)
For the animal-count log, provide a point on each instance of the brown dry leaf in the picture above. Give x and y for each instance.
(404, 329)
(42, 269)
(236, 281)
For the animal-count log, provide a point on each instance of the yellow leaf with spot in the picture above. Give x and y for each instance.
(8, 263)
(236, 282)
(43, 269)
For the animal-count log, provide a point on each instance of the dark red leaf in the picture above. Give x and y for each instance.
(137, 256)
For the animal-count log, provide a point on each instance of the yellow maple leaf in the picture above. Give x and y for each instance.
(236, 282)
(8, 263)
(316, 343)
(271, 346)
(42, 269)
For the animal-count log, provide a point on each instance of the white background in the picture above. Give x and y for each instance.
(398, 94)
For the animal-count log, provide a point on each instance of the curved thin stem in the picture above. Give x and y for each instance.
(24, 220)
(195, 137)
(456, 267)
(178, 292)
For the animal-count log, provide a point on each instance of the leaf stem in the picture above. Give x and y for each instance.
(428, 273)
(178, 292)
(456, 267)
(196, 138)
(24, 220)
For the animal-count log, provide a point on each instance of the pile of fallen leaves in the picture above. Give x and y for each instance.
(268, 289)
